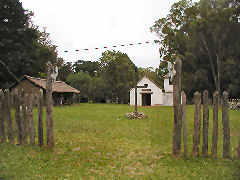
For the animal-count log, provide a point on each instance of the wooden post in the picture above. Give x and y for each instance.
(40, 115)
(2, 118)
(238, 150)
(7, 109)
(49, 104)
(30, 118)
(226, 129)
(205, 123)
(24, 117)
(215, 124)
(184, 121)
(136, 81)
(197, 124)
(177, 108)
(135, 99)
(17, 101)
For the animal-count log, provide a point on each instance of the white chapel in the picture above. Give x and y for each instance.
(153, 95)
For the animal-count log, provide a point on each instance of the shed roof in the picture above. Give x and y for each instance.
(57, 86)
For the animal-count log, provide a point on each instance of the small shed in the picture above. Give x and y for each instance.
(153, 95)
(62, 93)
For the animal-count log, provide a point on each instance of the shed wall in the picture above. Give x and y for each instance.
(27, 87)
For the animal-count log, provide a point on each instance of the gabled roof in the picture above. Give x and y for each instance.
(149, 80)
(57, 86)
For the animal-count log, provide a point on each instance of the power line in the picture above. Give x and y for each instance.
(107, 47)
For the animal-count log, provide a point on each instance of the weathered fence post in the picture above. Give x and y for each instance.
(197, 124)
(205, 123)
(177, 108)
(49, 104)
(7, 109)
(238, 150)
(17, 101)
(226, 129)
(24, 117)
(40, 120)
(215, 124)
(2, 118)
(30, 118)
(184, 121)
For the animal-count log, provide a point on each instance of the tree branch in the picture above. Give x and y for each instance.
(9, 71)
(212, 65)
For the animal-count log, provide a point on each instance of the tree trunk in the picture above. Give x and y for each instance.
(9, 71)
(212, 65)
(218, 81)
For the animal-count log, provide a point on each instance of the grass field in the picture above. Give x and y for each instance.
(96, 141)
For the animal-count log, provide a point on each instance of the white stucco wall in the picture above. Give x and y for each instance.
(167, 86)
(156, 96)
(168, 94)
(168, 99)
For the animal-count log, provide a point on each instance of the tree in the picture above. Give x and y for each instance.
(172, 31)
(204, 35)
(215, 34)
(65, 70)
(231, 76)
(118, 73)
(86, 66)
(98, 91)
(21, 52)
(81, 81)
(152, 74)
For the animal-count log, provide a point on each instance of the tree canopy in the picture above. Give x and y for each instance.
(86, 66)
(205, 36)
(110, 78)
(118, 73)
(81, 81)
(153, 74)
(23, 48)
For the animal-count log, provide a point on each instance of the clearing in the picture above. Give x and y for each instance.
(97, 141)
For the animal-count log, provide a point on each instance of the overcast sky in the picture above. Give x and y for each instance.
(88, 24)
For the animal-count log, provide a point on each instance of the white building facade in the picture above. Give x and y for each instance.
(153, 95)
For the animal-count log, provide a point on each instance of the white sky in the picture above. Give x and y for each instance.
(81, 24)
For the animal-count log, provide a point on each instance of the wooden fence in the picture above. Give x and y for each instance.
(22, 104)
(180, 120)
(205, 121)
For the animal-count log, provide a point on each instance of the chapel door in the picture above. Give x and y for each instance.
(146, 99)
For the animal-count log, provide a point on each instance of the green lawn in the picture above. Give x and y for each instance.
(96, 141)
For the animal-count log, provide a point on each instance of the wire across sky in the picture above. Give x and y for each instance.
(107, 47)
